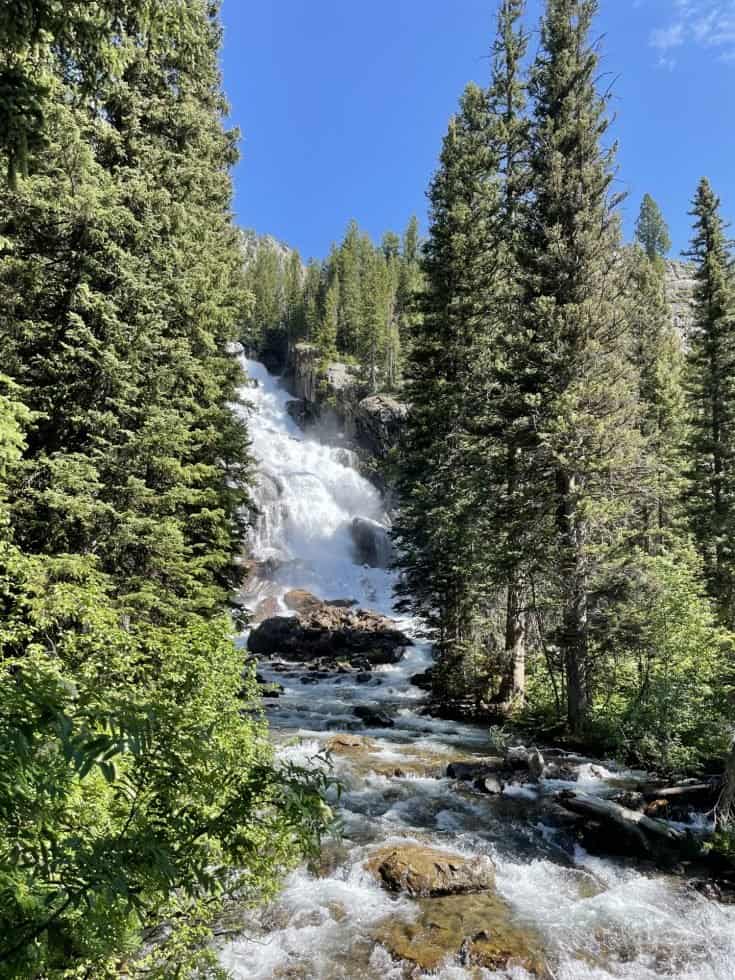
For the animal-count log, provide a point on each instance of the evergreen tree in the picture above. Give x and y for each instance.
(711, 397)
(578, 381)
(509, 137)
(437, 528)
(651, 231)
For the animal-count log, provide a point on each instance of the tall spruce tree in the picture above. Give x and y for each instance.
(651, 231)
(711, 397)
(508, 134)
(579, 385)
(437, 529)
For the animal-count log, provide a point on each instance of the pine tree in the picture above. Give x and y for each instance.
(711, 399)
(579, 387)
(509, 138)
(651, 231)
(437, 530)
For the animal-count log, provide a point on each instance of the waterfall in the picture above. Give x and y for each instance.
(598, 918)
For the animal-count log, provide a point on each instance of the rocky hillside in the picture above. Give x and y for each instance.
(332, 397)
(680, 285)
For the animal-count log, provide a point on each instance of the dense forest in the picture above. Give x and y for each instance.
(565, 481)
(566, 517)
(138, 785)
(359, 304)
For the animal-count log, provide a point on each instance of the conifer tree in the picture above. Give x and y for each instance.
(711, 398)
(508, 134)
(651, 231)
(579, 384)
(437, 529)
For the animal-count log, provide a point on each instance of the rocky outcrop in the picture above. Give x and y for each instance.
(379, 420)
(332, 634)
(332, 397)
(428, 872)
(373, 545)
(680, 285)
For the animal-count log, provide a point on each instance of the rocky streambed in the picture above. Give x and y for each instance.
(458, 858)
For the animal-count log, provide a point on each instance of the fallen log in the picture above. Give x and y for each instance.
(636, 824)
(683, 792)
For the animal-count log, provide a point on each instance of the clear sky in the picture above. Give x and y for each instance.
(342, 105)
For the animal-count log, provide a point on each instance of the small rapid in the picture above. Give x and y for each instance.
(596, 918)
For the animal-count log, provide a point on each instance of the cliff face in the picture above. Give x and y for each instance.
(334, 398)
(680, 285)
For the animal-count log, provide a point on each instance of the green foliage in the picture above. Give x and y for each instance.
(357, 305)
(137, 781)
(711, 401)
(670, 696)
(651, 231)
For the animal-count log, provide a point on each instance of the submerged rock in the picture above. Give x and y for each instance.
(429, 872)
(479, 930)
(373, 717)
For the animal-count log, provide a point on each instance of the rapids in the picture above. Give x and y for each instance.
(598, 918)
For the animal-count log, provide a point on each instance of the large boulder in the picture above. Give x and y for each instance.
(330, 633)
(302, 601)
(373, 545)
(429, 872)
(479, 930)
(379, 420)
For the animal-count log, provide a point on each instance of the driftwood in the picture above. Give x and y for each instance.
(645, 830)
(683, 792)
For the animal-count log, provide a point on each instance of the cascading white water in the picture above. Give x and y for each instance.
(309, 495)
(599, 918)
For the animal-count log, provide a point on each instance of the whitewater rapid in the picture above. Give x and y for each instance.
(598, 918)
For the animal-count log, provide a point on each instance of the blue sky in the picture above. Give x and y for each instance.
(342, 105)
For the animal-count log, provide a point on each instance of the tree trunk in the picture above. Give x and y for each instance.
(725, 809)
(515, 643)
(575, 615)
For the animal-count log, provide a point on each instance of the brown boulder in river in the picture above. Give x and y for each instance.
(334, 633)
(429, 872)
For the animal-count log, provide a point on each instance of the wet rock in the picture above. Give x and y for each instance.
(657, 808)
(373, 717)
(364, 677)
(265, 609)
(429, 872)
(469, 772)
(479, 930)
(535, 765)
(517, 757)
(330, 634)
(492, 785)
(299, 411)
(379, 420)
(422, 680)
(341, 603)
(344, 744)
(373, 545)
(302, 601)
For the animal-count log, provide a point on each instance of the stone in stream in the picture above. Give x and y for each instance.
(469, 772)
(428, 872)
(331, 633)
(373, 717)
(536, 765)
(479, 930)
(372, 542)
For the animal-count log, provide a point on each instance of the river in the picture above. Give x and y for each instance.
(596, 918)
